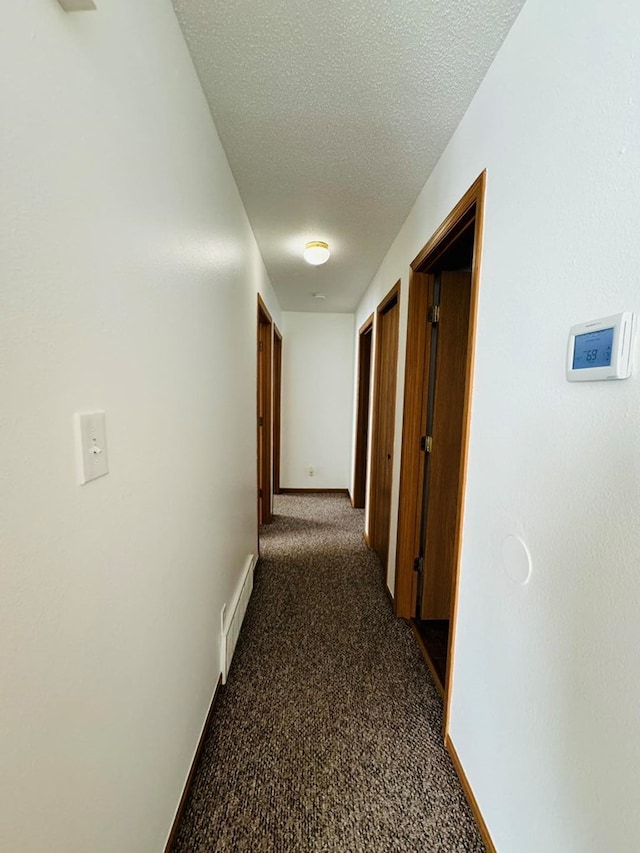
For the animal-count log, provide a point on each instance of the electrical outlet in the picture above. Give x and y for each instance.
(311, 471)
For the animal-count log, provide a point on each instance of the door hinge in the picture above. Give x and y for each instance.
(260, 421)
(418, 565)
(260, 346)
(426, 443)
(434, 314)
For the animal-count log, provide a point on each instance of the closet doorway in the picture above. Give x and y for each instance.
(277, 406)
(264, 424)
(443, 296)
(365, 340)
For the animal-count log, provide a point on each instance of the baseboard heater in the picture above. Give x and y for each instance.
(231, 625)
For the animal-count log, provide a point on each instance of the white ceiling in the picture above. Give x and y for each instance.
(332, 115)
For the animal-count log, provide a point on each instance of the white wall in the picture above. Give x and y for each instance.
(546, 691)
(129, 279)
(317, 400)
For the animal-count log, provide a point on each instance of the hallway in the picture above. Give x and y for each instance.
(328, 734)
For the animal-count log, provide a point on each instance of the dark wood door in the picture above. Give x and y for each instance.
(264, 370)
(443, 481)
(384, 425)
(362, 414)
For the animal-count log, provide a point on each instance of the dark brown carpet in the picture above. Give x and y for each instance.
(328, 734)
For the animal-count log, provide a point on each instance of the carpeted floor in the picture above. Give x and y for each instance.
(327, 737)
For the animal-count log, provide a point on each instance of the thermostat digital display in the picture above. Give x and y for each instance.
(593, 349)
(601, 349)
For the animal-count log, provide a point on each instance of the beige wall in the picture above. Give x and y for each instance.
(317, 400)
(546, 686)
(129, 279)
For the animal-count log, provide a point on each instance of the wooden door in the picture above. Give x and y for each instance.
(384, 424)
(426, 540)
(365, 339)
(277, 407)
(467, 217)
(264, 370)
(447, 399)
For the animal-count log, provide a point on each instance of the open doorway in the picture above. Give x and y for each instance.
(277, 406)
(443, 296)
(264, 424)
(365, 340)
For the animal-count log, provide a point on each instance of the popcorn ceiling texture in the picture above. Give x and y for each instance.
(333, 115)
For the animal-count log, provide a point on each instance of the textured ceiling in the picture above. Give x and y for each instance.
(333, 115)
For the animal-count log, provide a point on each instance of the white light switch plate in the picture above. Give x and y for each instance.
(77, 5)
(91, 445)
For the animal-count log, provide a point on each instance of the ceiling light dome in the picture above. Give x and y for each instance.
(316, 253)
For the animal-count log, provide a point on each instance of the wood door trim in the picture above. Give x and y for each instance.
(362, 418)
(468, 791)
(385, 304)
(277, 406)
(262, 309)
(428, 253)
(410, 465)
(368, 324)
(478, 191)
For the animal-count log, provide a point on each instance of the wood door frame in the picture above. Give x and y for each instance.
(263, 404)
(277, 406)
(360, 456)
(411, 465)
(383, 306)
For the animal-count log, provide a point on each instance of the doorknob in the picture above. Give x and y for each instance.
(388, 456)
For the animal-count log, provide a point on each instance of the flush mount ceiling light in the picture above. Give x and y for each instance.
(316, 252)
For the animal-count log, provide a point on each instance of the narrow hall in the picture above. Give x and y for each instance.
(328, 733)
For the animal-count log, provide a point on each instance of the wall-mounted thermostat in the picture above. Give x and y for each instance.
(601, 349)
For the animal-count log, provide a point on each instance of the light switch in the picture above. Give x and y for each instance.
(77, 5)
(91, 444)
